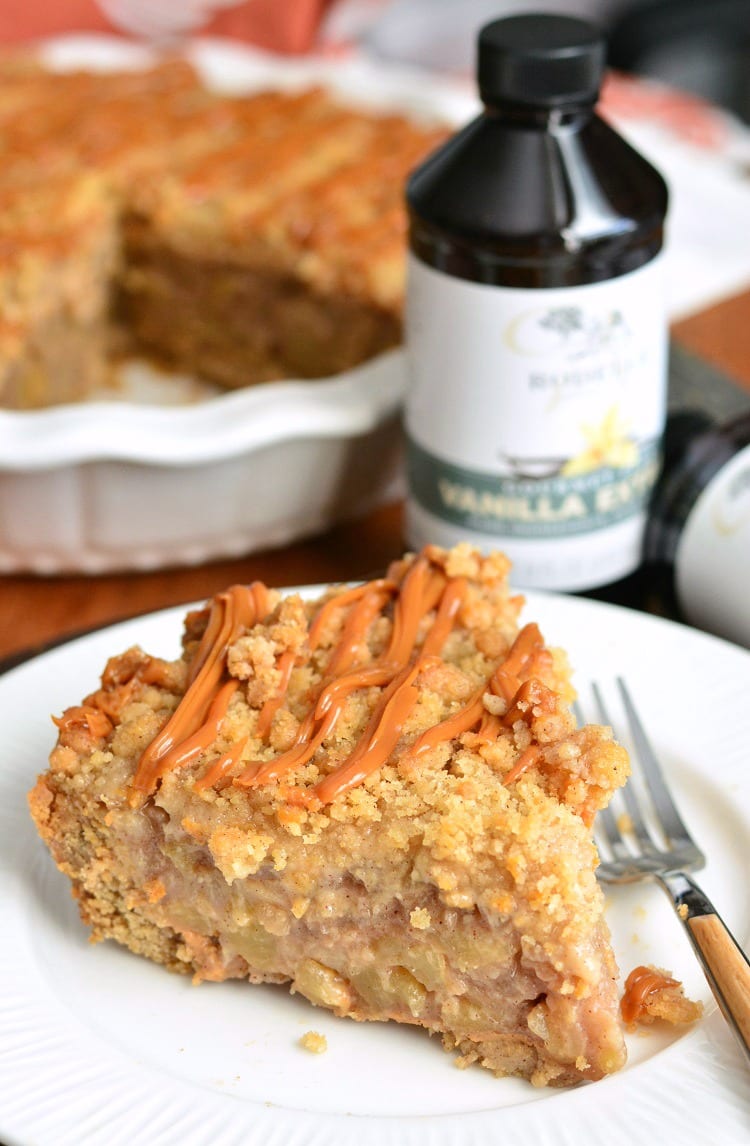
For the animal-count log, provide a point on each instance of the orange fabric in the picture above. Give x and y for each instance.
(276, 25)
(30, 19)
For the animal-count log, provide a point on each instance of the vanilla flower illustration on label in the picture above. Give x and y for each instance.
(607, 444)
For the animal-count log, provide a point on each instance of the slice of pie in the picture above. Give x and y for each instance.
(379, 797)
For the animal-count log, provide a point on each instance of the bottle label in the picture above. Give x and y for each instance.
(712, 562)
(520, 506)
(534, 419)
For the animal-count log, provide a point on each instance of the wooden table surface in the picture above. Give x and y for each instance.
(36, 611)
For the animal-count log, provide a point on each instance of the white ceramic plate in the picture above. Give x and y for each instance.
(100, 1047)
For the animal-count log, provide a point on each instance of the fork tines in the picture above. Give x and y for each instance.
(650, 824)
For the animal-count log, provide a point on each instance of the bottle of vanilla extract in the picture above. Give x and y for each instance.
(535, 324)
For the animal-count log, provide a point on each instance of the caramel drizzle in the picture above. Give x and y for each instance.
(505, 683)
(273, 704)
(348, 597)
(222, 765)
(379, 739)
(528, 757)
(198, 717)
(640, 985)
(420, 592)
(450, 603)
(420, 588)
(192, 746)
(367, 601)
(121, 680)
(86, 717)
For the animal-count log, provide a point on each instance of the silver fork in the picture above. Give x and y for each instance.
(665, 852)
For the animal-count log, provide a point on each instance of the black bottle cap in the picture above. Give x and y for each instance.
(540, 60)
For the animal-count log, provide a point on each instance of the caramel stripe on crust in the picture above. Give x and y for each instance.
(419, 589)
(231, 613)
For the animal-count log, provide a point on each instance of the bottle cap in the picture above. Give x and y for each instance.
(540, 60)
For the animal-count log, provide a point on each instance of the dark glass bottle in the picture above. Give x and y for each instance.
(697, 545)
(536, 330)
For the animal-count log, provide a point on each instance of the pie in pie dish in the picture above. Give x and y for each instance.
(272, 224)
(379, 797)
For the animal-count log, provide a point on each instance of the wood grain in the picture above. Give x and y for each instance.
(729, 966)
(721, 335)
(36, 610)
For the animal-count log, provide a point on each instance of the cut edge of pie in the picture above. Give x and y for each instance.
(273, 223)
(379, 797)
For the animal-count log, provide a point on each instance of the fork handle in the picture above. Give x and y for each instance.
(725, 964)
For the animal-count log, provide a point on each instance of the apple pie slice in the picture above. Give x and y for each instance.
(380, 797)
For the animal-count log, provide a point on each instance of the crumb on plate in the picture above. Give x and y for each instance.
(314, 1042)
(651, 993)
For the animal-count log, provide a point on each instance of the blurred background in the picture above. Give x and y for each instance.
(699, 46)
(679, 91)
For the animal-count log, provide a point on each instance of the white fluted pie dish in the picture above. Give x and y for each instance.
(124, 484)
